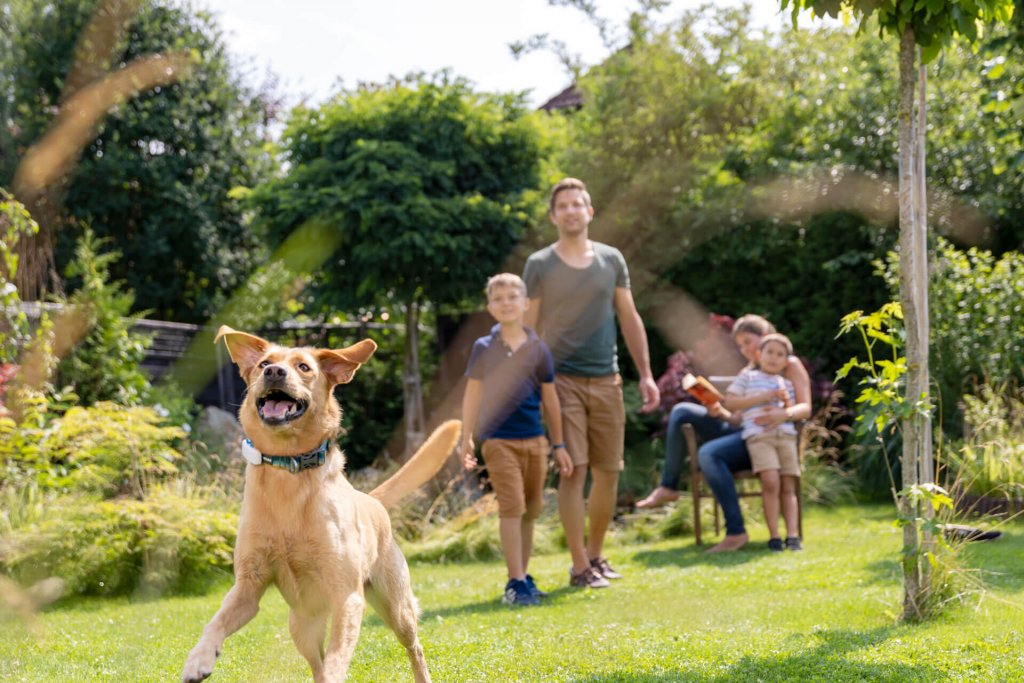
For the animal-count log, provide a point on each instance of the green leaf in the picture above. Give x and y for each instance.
(996, 71)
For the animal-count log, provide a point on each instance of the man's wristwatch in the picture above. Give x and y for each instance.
(557, 446)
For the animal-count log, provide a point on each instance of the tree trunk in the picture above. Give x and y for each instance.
(914, 300)
(412, 387)
(37, 268)
(926, 470)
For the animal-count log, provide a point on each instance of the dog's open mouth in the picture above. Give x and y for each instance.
(278, 407)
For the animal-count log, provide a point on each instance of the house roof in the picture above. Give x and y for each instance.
(570, 98)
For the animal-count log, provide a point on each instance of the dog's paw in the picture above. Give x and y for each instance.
(199, 664)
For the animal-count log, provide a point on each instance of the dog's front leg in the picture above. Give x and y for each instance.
(239, 607)
(348, 619)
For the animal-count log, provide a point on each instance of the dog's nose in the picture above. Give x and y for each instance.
(274, 372)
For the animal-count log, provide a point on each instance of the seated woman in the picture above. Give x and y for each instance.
(724, 451)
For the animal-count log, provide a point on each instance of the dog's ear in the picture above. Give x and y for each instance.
(341, 364)
(245, 349)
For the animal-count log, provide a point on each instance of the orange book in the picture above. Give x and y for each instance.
(701, 389)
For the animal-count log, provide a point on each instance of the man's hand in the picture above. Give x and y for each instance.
(650, 394)
(468, 449)
(564, 462)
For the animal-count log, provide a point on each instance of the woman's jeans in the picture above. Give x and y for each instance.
(722, 453)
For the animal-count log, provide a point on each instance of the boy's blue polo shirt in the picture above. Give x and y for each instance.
(510, 396)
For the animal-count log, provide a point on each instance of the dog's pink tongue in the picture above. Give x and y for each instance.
(276, 409)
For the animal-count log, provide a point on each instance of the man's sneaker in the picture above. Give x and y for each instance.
(793, 543)
(517, 592)
(605, 569)
(775, 545)
(532, 585)
(588, 578)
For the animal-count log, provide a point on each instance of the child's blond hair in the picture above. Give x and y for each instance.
(779, 339)
(505, 280)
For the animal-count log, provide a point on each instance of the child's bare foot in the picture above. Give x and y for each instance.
(730, 544)
(658, 497)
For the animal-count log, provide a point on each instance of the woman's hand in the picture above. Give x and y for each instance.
(771, 417)
(717, 410)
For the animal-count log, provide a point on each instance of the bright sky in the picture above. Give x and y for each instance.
(311, 44)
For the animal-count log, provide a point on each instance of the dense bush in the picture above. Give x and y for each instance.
(976, 308)
(165, 543)
(991, 460)
(111, 450)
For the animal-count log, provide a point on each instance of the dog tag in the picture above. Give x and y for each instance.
(250, 454)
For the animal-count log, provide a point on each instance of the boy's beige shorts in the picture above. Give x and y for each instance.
(517, 468)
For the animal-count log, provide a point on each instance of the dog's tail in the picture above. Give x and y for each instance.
(423, 465)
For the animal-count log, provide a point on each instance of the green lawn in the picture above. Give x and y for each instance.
(826, 614)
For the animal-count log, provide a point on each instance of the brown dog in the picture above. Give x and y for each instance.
(326, 546)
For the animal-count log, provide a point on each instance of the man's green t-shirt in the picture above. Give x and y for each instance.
(577, 315)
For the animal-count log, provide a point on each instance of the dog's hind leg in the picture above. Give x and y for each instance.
(345, 625)
(239, 607)
(390, 594)
(308, 631)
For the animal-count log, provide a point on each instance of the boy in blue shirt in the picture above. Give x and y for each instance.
(510, 377)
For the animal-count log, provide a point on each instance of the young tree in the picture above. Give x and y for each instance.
(923, 28)
(426, 186)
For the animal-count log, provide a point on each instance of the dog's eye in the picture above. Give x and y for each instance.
(264, 364)
(303, 367)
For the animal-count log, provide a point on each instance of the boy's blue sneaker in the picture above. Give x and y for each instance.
(517, 592)
(532, 585)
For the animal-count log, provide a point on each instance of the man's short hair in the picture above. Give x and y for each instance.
(779, 339)
(505, 280)
(568, 184)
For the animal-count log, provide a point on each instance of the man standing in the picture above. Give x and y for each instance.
(577, 288)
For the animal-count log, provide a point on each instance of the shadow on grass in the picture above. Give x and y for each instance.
(496, 605)
(828, 660)
(690, 555)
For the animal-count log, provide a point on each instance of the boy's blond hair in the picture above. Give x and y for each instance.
(568, 184)
(505, 280)
(779, 339)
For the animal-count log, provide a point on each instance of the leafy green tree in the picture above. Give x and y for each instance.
(923, 28)
(156, 177)
(425, 186)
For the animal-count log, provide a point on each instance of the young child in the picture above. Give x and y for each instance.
(773, 451)
(511, 375)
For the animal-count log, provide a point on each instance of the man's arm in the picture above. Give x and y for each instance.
(636, 341)
(470, 411)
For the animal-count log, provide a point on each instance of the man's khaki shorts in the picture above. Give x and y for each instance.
(593, 420)
(517, 469)
(774, 450)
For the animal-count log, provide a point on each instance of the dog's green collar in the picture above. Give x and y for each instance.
(292, 463)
